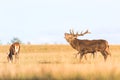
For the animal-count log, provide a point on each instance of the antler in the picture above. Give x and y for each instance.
(77, 34)
(82, 34)
(71, 31)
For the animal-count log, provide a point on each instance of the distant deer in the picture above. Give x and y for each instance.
(87, 46)
(13, 50)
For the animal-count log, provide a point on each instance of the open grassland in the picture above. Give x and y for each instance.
(58, 62)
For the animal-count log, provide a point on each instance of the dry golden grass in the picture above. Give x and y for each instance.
(58, 62)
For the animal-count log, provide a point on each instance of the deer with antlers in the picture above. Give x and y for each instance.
(87, 46)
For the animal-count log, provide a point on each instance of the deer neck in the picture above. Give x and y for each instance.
(74, 43)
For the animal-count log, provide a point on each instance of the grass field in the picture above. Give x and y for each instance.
(49, 62)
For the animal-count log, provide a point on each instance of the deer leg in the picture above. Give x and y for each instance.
(93, 54)
(104, 54)
(84, 53)
(81, 56)
(85, 57)
(10, 57)
(107, 51)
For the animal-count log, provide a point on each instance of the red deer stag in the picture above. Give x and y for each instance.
(87, 46)
(13, 50)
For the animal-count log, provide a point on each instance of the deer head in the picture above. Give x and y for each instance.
(71, 36)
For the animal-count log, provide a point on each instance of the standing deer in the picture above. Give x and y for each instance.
(87, 46)
(13, 50)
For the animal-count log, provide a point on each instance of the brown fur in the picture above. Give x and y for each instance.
(13, 52)
(88, 46)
